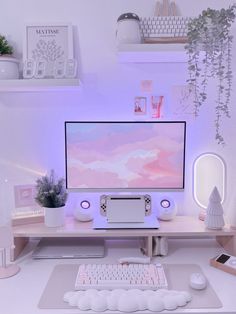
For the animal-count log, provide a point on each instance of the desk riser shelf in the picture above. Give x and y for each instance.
(181, 226)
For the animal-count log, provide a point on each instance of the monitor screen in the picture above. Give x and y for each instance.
(125, 156)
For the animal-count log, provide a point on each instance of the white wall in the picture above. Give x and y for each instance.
(32, 124)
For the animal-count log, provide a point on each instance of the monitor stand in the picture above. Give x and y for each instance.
(150, 222)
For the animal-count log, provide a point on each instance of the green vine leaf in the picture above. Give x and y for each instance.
(209, 35)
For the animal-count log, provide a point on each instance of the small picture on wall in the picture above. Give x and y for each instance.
(140, 105)
(182, 100)
(157, 104)
(146, 86)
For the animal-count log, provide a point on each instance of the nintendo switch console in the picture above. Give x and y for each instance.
(125, 212)
(125, 208)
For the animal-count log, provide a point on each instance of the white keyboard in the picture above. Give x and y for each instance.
(117, 276)
(164, 28)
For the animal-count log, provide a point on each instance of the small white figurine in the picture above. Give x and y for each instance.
(214, 212)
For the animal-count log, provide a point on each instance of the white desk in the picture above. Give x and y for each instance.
(21, 294)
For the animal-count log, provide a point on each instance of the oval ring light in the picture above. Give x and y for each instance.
(208, 171)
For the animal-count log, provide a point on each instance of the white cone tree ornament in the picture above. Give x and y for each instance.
(214, 212)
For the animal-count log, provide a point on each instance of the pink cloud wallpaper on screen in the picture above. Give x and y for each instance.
(125, 155)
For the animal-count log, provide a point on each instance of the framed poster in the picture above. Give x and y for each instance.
(49, 43)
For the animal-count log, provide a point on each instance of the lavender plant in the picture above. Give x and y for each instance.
(209, 37)
(51, 192)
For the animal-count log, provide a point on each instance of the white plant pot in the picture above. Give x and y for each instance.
(54, 217)
(9, 68)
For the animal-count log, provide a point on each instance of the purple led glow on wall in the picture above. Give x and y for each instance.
(125, 155)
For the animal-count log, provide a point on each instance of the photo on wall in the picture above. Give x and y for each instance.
(140, 105)
(146, 86)
(156, 106)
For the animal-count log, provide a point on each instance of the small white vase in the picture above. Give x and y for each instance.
(54, 217)
(9, 68)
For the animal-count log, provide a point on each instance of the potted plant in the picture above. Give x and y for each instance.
(52, 195)
(9, 66)
(209, 56)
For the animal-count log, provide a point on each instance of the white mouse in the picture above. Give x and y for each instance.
(198, 281)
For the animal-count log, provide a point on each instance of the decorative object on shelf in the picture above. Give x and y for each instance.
(83, 211)
(49, 49)
(40, 69)
(167, 209)
(9, 66)
(165, 8)
(209, 56)
(166, 26)
(29, 69)
(164, 29)
(70, 68)
(214, 212)
(61, 69)
(26, 210)
(128, 29)
(160, 246)
(52, 195)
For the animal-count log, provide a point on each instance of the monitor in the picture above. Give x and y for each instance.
(124, 156)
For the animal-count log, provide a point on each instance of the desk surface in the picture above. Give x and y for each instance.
(21, 293)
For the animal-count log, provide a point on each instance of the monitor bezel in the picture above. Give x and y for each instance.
(125, 190)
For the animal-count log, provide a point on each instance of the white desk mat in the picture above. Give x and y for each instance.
(63, 277)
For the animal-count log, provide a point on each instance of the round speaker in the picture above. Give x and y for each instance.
(166, 209)
(83, 211)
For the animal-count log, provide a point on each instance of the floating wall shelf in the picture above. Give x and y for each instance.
(144, 53)
(39, 85)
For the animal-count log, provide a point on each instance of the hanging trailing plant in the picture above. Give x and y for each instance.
(209, 56)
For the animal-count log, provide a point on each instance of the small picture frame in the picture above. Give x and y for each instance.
(26, 210)
(29, 69)
(140, 105)
(40, 69)
(24, 195)
(71, 68)
(157, 103)
(49, 43)
(59, 69)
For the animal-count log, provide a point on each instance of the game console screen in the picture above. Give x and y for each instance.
(138, 155)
